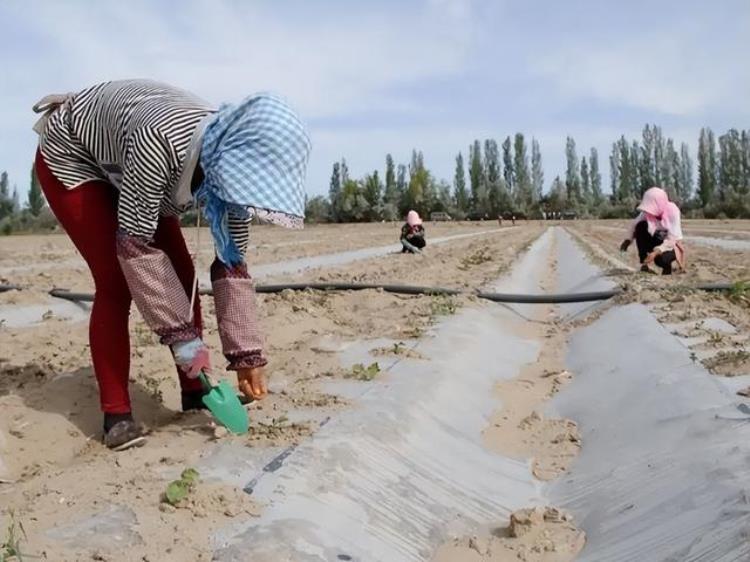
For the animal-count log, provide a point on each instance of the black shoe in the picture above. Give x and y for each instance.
(647, 269)
(193, 401)
(121, 432)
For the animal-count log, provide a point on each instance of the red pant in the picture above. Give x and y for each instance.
(88, 214)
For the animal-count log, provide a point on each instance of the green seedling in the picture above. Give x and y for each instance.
(716, 337)
(443, 306)
(398, 348)
(727, 358)
(740, 292)
(178, 490)
(362, 373)
(277, 428)
(10, 549)
(477, 258)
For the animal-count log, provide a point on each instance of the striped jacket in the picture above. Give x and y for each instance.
(137, 135)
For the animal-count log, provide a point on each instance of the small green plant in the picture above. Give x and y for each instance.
(723, 358)
(716, 337)
(740, 292)
(178, 490)
(398, 348)
(278, 428)
(362, 373)
(693, 356)
(10, 548)
(443, 305)
(477, 258)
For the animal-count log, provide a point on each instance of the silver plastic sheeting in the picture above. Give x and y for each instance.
(665, 465)
(405, 469)
(575, 274)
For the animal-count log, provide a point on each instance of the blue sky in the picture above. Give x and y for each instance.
(377, 77)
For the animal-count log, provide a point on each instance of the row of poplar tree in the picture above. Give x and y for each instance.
(505, 179)
(14, 216)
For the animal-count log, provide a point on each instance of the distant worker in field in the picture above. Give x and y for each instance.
(118, 163)
(413, 234)
(657, 232)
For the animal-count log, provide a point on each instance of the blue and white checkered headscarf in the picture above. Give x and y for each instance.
(254, 158)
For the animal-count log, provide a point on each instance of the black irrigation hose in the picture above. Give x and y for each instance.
(559, 298)
(4, 288)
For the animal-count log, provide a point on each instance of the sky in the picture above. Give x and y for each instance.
(377, 77)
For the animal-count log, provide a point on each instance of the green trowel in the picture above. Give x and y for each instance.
(222, 401)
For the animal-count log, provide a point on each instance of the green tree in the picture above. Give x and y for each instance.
(344, 172)
(459, 186)
(572, 173)
(317, 210)
(668, 171)
(476, 173)
(354, 206)
(401, 190)
(443, 199)
(373, 193)
(627, 187)
(558, 198)
(522, 174)
(731, 181)
(391, 192)
(595, 177)
(508, 172)
(537, 170)
(614, 172)
(707, 169)
(36, 199)
(636, 185)
(647, 159)
(745, 142)
(334, 192)
(685, 191)
(585, 181)
(418, 191)
(492, 197)
(6, 203)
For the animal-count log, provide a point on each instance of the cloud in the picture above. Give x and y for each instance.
(388, 75)
(221, 49)
(677, 73)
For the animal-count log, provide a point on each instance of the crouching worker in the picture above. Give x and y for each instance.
(412, 234)
(118, 163)
(657, 232)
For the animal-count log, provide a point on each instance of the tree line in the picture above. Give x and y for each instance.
(508, 179)
(499, 180)
(33, 216)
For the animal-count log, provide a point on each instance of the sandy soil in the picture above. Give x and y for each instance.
(54, 471)
(57, 472)
(541, 534)
(723, 348)
(55, 261)
(520, 430)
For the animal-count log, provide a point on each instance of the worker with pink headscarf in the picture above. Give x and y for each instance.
(412, 234)
(657, 233)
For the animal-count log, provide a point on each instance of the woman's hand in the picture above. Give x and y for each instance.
(252, 382)
(191, 357)
(652, 256)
